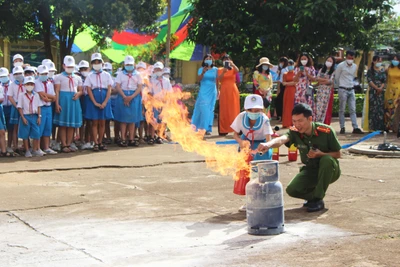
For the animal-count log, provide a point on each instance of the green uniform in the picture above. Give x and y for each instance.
(315, 177)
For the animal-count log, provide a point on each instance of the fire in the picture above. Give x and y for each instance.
(222, 159)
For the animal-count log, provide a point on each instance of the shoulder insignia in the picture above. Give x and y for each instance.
(323, 129)
(293, 129)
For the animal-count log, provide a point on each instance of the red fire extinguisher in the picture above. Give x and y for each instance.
(239, 188)
(292, 153)
(275, 150)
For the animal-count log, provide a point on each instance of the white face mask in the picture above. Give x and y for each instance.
(166, 76)
(304, 62)
(328, 64)
(69, 70)
(18, 64)
(85, 73)
(29, 88)
(51, 74)
(349, 61)
(158, 73)
(97, 66)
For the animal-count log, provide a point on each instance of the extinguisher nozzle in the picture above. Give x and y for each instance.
(260, 153)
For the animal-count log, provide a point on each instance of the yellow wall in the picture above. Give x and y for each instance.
(189, 71)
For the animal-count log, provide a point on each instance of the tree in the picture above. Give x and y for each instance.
(43, 19)
(274, 28)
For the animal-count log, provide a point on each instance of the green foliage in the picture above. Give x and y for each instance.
(249, 29)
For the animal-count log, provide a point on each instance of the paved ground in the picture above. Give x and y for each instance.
(161, 206)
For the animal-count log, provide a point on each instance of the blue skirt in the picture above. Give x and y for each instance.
(71, 112)
(14, 116)
(2, 119)
(94, 113)
(203, 113)
(131, 113)
(265, 156)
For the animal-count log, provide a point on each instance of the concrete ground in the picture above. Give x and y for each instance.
(161, 206)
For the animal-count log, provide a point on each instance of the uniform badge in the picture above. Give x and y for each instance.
(253, 99)
(323, 129)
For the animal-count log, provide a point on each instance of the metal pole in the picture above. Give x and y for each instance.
(168, 44)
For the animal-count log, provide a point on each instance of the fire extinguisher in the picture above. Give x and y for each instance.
(292, 153)
(239, 188)
(275, 150)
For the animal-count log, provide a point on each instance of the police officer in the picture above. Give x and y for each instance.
(319, 151)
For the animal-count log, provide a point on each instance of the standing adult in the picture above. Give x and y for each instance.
(345, 74)
(325, 87)
(304, 75)
(392, 94)
(374, 99)
(262, 80)
(229, 100)
(282, 69)
(288, 97)
(203, 114)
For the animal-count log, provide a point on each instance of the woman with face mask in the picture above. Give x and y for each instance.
(392, 96)
(262, 80)
(203, 114)
(288, 97)
(229, 100)
(325, 87)
(304, 75)
(282, 69)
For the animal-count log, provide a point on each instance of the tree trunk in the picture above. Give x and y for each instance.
(46, 19)
(168, 44)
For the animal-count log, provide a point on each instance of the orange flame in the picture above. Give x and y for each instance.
(222, 159)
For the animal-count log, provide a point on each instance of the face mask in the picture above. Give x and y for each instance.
(85, 73)
(290, 67)
(19, 77)
(208, 62)
(166, 76)
(158, 73)
(129, 68)
(29, 88)
(43, 78)
(349, 61)
(69, 70)
(304, 62)
(110, 72)
(4, 79)
(97, 67)
(395, 63)
(328, 64)
(265, 67)
(18, 64)
(379, 64)
(51, 74)
(280, 65)
(253, 116)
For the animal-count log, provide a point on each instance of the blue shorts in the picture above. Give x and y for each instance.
(46, 124)
(31, 130)
(7, 115)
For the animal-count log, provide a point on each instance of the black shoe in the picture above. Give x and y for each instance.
(315, 205)
(208, 133)
(342, 130)
(305, 204)
(358, 131)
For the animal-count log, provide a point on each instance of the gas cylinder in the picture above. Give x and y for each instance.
(292, 153)
(264, 199)
(275, 150)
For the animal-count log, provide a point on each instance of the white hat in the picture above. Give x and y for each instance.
(108, 66)
(18, 69)
(18, 56)
(158, 65)
(96, 56)
(264, 61)
(42, 69)
(69, 61)
(51, 66)
(83, 64)
(29, 68)
(253, 101)
(166, 70)
(3, 72)
(129, 60)
(29, 79)
(46, 61)
(76, 69)
(141, 64)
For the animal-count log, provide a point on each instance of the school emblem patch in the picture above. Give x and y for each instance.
(253, 99)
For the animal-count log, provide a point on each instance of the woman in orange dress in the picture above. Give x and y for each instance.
(229, 100)
(288, 97)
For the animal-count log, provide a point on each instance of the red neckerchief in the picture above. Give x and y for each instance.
(98, 79)
(20, 89)
(30, 103)
(251, 131)
(45, 87)
(129, 78)
(71, 82)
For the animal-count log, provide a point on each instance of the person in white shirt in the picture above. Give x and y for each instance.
(128, 110)
(3, 128)
(98, 109)
(109, 68)
(68, 116)
(159, 85)
(29, 108)
(5, 82)
(55, 142)
(45, 89)
(143, 128)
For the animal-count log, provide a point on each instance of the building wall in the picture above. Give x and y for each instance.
(189, 71)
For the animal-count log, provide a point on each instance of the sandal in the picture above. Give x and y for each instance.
(150, 141)
(133, 143)
(159, 140)
(122, 144)
(107, 141)
(117, 140)
(96, 148)
(65, 149)
(103, 147)
(7, 154)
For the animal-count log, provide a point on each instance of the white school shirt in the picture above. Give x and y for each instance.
(29, 104)
(97, 80)
(129, 81)
(2, 94)
(68, 83)
(157, 85)
(6, 87)
(261, 128)
(14, 90)
(40, 87)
